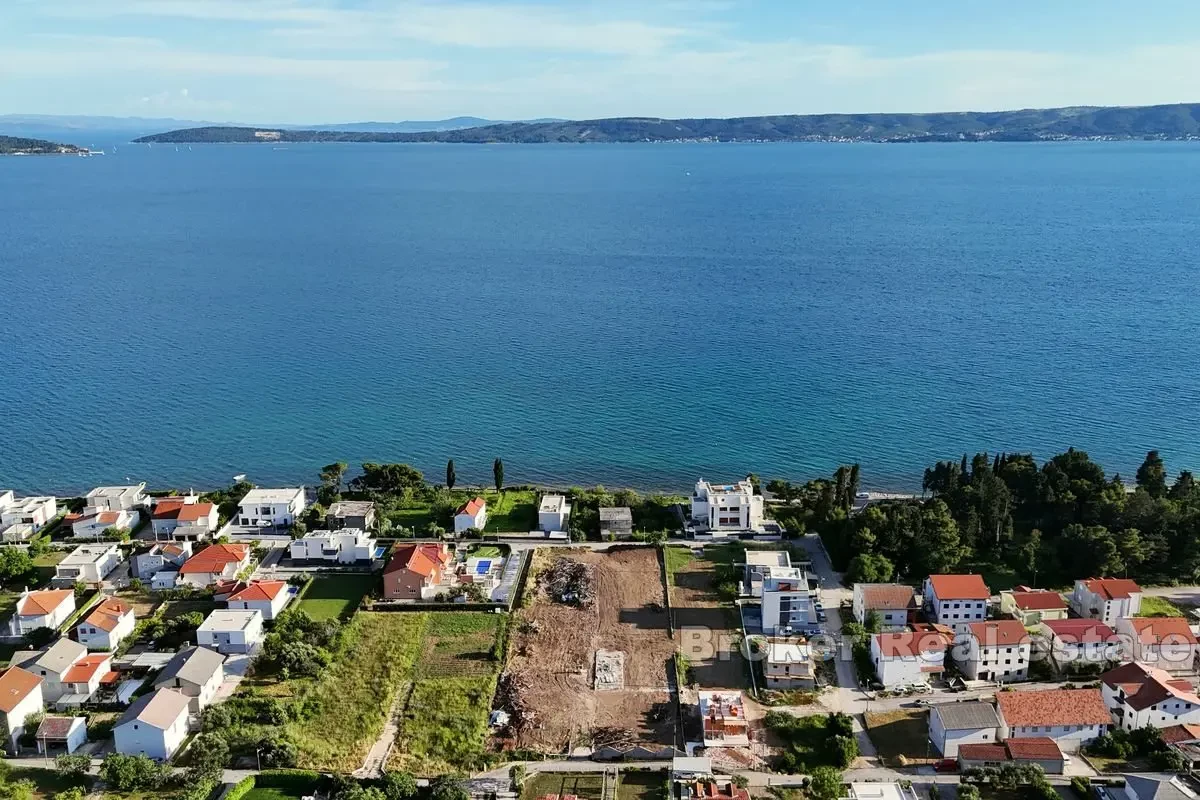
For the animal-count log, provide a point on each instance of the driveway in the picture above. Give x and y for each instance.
(236, 666)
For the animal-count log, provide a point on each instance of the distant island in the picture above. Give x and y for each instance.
(17, 146)
(1181, 121)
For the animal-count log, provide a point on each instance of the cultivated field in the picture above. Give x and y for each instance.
(553, 647)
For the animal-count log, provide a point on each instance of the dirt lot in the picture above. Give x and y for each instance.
(707, 631)
(553, 664)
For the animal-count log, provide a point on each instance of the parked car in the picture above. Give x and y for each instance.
(946, 765)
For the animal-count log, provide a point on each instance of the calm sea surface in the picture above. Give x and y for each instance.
(631, 315)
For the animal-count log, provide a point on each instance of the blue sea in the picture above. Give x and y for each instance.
(632, 315)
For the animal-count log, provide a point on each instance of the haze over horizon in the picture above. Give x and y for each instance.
(297, 62)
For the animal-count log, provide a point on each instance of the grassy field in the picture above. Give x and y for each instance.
(47, 782)
(485, 551)
(586, 785)
(676, 558)
(334, 596)
(269, 793)
(901, 737)
(514, 510)
(642, 786)
(445, 722)
(1159, 607)
(350, 703)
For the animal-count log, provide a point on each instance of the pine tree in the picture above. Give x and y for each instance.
(451, 477)
(498, 473)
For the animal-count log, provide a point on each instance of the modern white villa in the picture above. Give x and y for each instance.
(728, 507)
(271, 508)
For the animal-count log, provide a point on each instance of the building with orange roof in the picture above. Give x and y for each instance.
(214, 563)
(52, 665)
(47, 608)
(1040, 750)
(994, 650)
(92, 525)
(267, 597)
(20, 696)
(183, 517)
(723, 717)
(1086, 641)
(1032, 607)
(1071, 717)
(83, 678)
(417, 572)
(106, 625)
(1164, 642)
(472, 514)
(1106, 599)
(956, 600)
(169, 556)
(894, 603)
(908, 657)
(1142, 696)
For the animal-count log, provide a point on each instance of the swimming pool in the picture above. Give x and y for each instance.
(483, 566)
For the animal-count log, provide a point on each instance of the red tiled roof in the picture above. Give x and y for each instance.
(1181, 733)
(260, 590)
(1038, 601)
(1145, 686)
(911, 643)
(1034, 748)
(110, 678)
(1162, 630)
(888, 596)
(215, 558)
(982, 752)
(193, 512)
(1112, 588)
(1053, 707)
(39, 604)
(959, 587)
(15, 686)
(85, 668)
(999, 633)
(1081, 631)
(168, 508)
(471, 508)
(422, 559)
(108, 613)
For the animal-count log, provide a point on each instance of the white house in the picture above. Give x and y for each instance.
(956, 600)
(107, 625)
(197, 672)
(271, 508)
(266, 597)
(893, 602)
(51, 665)
(553, 513)
(183, 518)
(1083, 641)
(1106, 599)
(473, 514)
(160, 556)
(231, 631)
(67, 733)
(996, 650)
(92, 524)
(955, 724)
(787, 603)
(82, 680)
(1032, 607)
(789, 666)
(20, 696)
(1164, 642)
(214, 563)
(1071, 717)
(34, 511)
(89, 563)
(47, 608)
(154, 725)
(728, 507)
(908, 657)
(759, 563)
(116, 498)
(1139, 696)
(7, 498)
(342, 546)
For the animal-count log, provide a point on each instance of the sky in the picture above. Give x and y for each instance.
(324, 61)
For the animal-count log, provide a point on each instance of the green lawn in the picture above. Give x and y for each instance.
(485, 551)
(269, 793)
(642, 786)
(1159, 607)
(335, 596)
(677, 558)
(514, 510)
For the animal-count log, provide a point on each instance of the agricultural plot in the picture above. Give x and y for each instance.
(598, 601)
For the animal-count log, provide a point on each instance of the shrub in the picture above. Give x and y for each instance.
(842, 750)
(241, 788)
(70, 766)
(1082, 787)
(128, 773)
(301, 781)
(968, 791)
